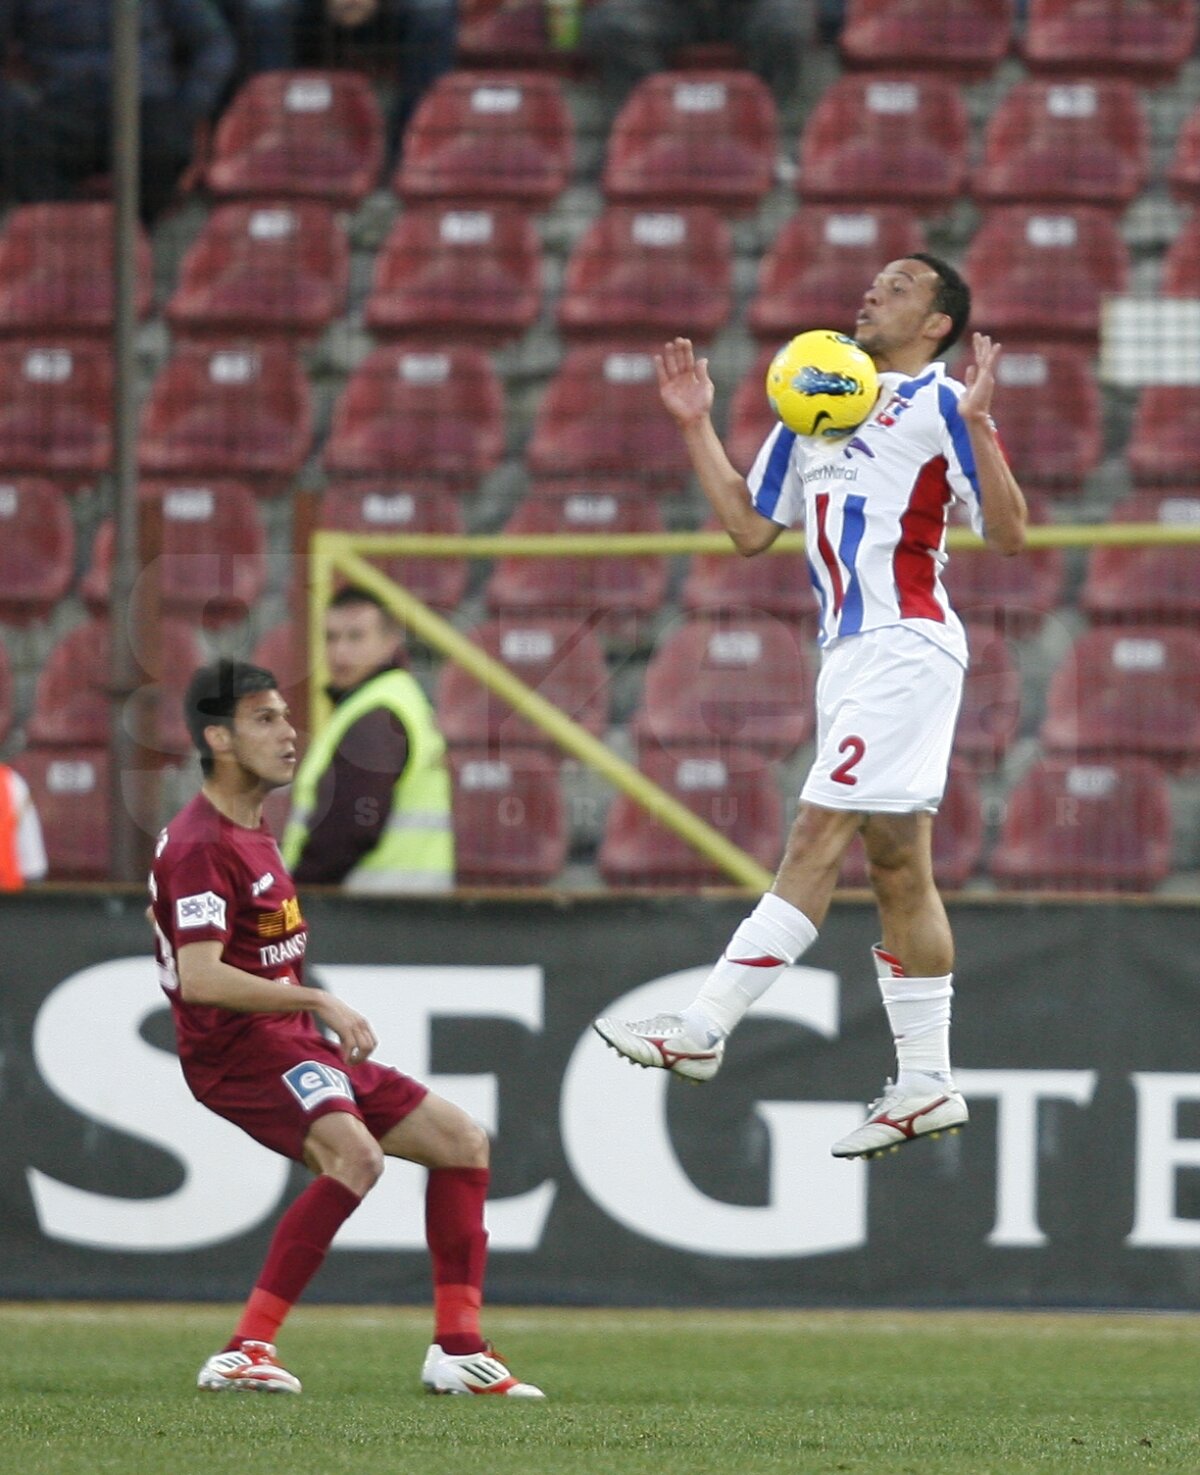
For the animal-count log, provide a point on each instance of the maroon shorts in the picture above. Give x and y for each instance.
(293, 1084)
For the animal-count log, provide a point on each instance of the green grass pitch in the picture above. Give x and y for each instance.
(89, 1390)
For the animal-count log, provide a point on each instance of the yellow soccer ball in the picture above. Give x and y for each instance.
(822, 384)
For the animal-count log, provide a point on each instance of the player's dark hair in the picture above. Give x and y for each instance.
(951, 296)
(352, 594)
(212, 697)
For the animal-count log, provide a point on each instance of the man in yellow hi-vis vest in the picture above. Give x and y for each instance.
(371, 797)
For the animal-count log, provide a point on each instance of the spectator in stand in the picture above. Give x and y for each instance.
(420, 34)
(371, 799)
(55, 127)
(22, 849)
(629, 39)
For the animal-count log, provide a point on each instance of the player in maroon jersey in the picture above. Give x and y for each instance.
(231, 943)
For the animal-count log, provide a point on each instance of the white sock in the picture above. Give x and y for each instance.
(918, 1010)
(768, 940)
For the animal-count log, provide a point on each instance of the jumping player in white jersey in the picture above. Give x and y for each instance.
(875, 508)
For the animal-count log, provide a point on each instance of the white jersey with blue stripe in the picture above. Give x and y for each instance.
(875, 508)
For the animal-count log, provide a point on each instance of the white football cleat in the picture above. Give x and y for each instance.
(663, 1042)
(252, 1369)
(901, 1116)
(476, 1372)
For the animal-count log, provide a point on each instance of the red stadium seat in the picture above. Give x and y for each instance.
(694, 138)
(419, 411)
(1165, 443)
(70, 791)
(458, 275)
(299, 135)
(263, 269)
(561, 659)
(957, 837)
(1013, 594)
(751, 418)
(1127, 692)
(968, 37)
(1181, 266)
(242, 411)
(990, 716)
(775, 584)
(55, 409)
(1065, 142)
(820, 264)
(283, 651)
(893, 139)
(37, 548)
(615, 592)
(1184, 175)
(654, 272)
(734, 792)
(72, 705)
(56, 270)
(1148, 40)
(601, 416)
(1040, 272)
(6, 693)
(732, 679)
(1150, 585)
(407, 506)
(1079, 826)
(482, 136)
(1047, 405)
(213, 565)
(510, 818)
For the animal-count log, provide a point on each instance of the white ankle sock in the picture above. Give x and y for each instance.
(768, 940)
(918, 1010)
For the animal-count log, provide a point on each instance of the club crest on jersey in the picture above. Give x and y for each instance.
(313, 1083)
(206, 909)
(892, 411)
(281, 921)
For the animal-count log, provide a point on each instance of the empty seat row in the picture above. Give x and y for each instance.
(1067, 825)
(244, 409)
(212, 563)
(1150, 39)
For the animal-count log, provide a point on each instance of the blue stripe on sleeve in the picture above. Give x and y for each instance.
(854, 523)
(766, 499)
(910, 386)
(961, 441)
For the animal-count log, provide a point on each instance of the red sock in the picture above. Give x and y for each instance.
(298, 1246)
(458, 1247)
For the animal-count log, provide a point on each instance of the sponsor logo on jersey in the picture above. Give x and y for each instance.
(206, 909)
(274, 953)
(312, 1083)
(264, 883)
(279, 923)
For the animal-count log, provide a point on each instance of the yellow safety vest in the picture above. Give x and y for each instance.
(415, 852)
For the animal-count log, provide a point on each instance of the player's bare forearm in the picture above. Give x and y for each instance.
(205, 978)
(727, 491)
(1002, 502)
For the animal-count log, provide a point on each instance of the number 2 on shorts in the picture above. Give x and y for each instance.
(844, 772)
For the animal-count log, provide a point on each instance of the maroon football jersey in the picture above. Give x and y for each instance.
(213, 880)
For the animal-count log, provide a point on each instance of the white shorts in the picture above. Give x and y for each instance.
(887, 703)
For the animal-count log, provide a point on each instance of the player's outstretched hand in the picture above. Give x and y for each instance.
(683, 382)
(980, 379)
(356, 1035)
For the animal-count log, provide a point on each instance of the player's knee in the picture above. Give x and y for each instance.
(360, 1166)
